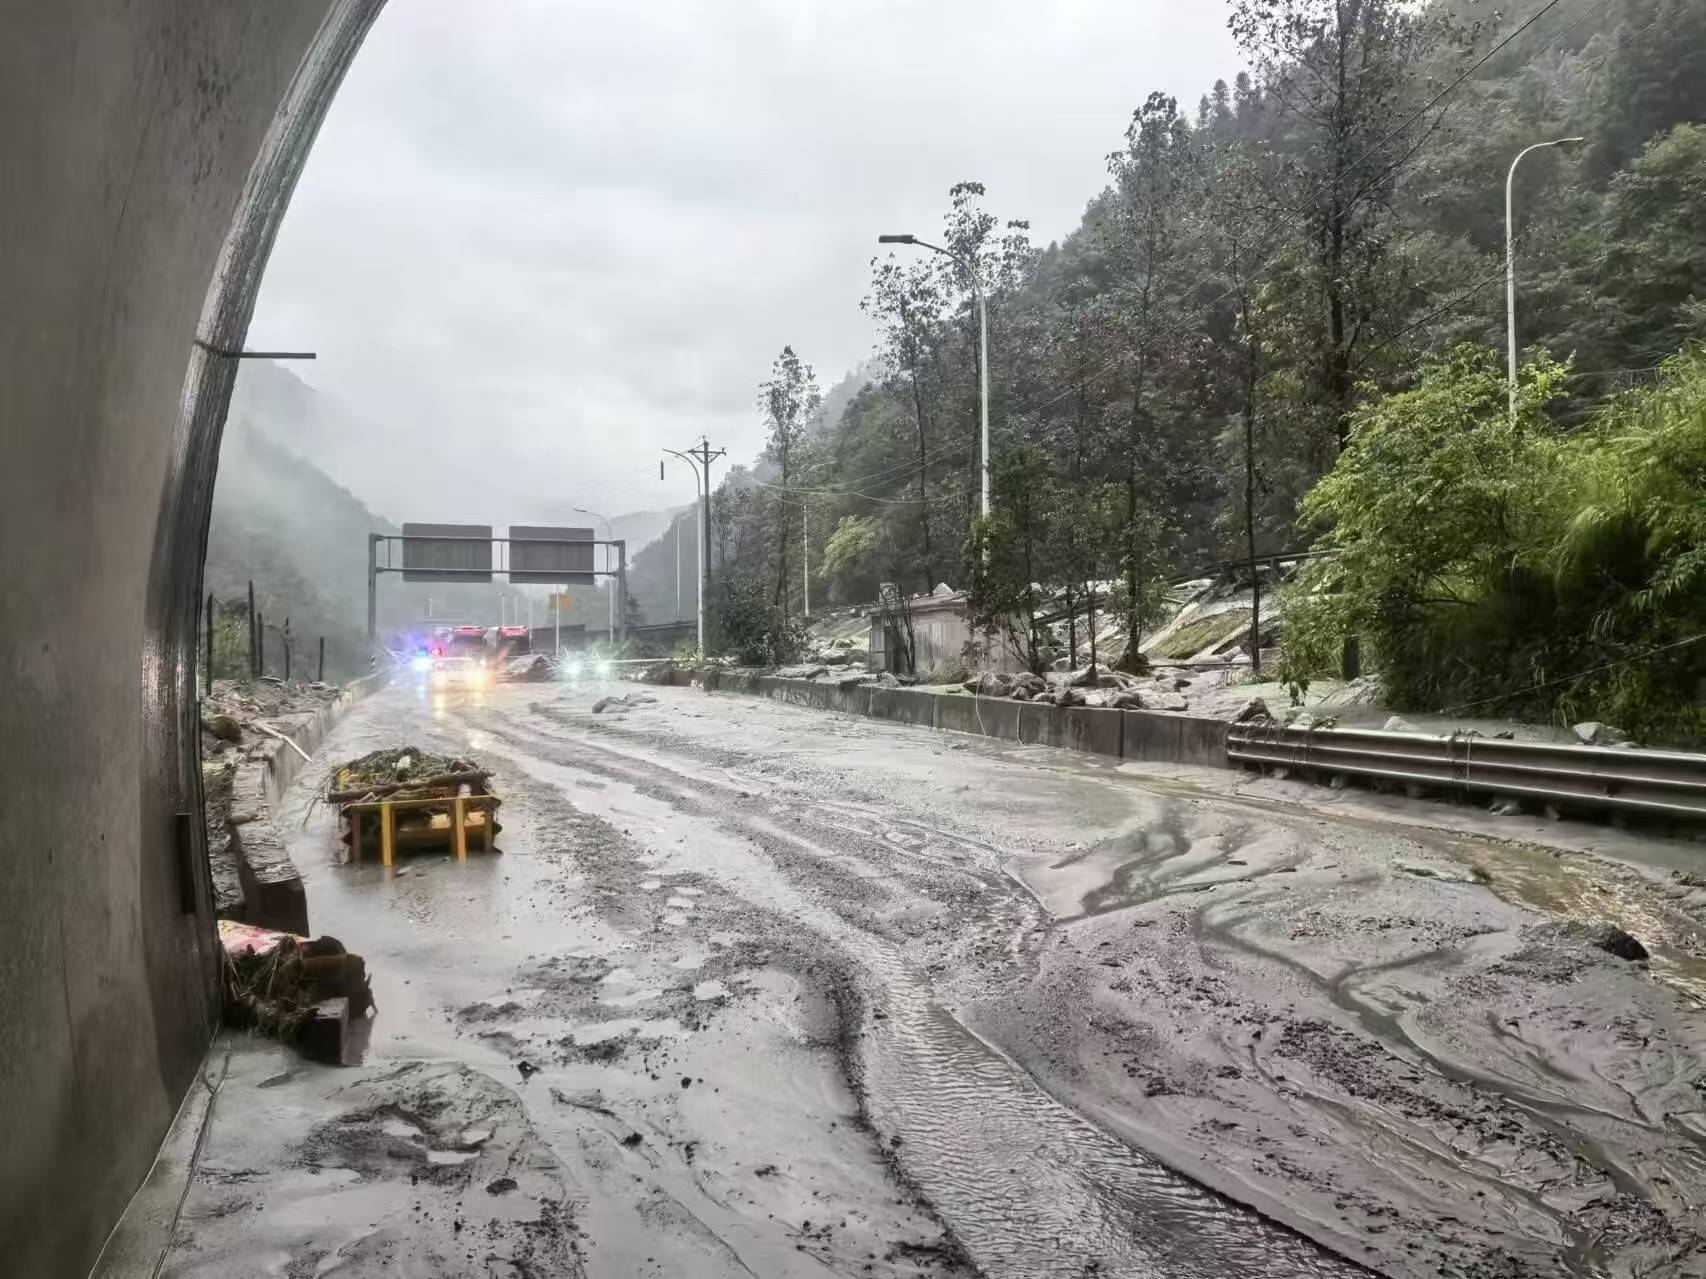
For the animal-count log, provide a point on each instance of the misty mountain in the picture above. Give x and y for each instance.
(285, 523)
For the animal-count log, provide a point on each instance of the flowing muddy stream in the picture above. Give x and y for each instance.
(1028, 1187)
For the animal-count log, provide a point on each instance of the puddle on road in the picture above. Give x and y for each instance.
(451, 1156)
(1585, 889)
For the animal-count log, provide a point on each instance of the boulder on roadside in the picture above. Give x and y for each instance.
(1398, 724)
(802, 672)
(1128, 699)
(988, 684)
(1068, 696)
(1092, 677)
(224, 727)
(1593, 733)
(1254, 711)
(1614, 941)
(621, 703)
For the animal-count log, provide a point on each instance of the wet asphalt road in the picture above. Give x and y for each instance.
(757, 990)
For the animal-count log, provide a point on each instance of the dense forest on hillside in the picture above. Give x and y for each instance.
(1268, 272)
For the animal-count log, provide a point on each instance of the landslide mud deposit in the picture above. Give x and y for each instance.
(759, 990)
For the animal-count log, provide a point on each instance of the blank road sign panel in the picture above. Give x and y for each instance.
(559, 556)
(450, 553)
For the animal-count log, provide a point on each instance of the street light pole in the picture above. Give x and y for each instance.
(970, 268)
(609, 584)
(699, 491)
(1510, 266)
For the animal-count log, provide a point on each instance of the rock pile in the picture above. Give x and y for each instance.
(1088, 686)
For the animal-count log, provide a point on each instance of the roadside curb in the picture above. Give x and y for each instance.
(272, 895)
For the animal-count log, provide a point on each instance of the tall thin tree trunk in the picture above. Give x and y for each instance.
(781, 600)
(918, 415)
(1090, 620)
(1071, 627)
(1252, 358)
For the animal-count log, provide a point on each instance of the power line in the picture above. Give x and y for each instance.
(1566, 679)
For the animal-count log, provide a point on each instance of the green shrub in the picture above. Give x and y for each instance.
(1500, 565)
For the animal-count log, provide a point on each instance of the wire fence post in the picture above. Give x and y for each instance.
(320, 673)
(260, 645)
(254, 654)
(287, 650)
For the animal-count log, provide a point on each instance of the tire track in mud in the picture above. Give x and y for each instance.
(1028, 1185)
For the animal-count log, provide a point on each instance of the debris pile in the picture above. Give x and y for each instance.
(534, 669)
(298, 991)
(403, 773)
(1089, 686)
(626, 701)
(236, 710)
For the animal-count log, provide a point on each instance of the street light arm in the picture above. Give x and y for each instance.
(1510, 265)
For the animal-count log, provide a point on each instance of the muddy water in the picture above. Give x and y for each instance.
(1585, 890)
(1027, 1186)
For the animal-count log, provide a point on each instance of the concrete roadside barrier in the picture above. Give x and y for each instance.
(1143, 736)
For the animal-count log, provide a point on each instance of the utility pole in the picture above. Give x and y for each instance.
(622, 585)
(254, 659)
(700, 459)
(705, 456)
(805, 563)
(678, 568)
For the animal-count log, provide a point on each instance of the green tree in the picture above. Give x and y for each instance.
(1154, 178)
(787, 400)
(1428, 514)
(1010, 552)
(907, 302)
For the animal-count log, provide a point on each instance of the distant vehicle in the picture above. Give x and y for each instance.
(514, 641)
(466, 641)
(458, 672)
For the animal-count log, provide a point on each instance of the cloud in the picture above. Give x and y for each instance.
(567, 235)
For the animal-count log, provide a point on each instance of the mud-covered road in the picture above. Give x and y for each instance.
(758, 990)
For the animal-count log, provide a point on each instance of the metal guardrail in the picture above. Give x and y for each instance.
(1669, 784)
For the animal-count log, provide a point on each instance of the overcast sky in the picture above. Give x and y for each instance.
(566, 235)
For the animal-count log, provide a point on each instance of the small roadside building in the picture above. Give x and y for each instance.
(941, 636)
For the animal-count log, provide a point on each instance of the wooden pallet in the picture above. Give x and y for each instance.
(454, 821)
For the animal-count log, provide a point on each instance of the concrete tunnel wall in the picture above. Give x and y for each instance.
(150, 148)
